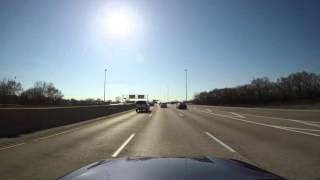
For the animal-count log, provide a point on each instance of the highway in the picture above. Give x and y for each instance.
(285, 142)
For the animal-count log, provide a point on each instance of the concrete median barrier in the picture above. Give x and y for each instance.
(15, 121)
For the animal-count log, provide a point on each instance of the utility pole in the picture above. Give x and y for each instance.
(104, 90)
(168, 97)
(186, 70)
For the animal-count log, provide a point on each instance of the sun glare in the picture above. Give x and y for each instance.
(118, 24)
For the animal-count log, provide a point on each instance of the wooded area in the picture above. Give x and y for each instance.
(41, 93)
(295, 87)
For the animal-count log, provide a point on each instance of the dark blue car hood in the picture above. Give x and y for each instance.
(164, 168)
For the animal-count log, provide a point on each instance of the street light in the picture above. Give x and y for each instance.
(186, 70)
(104, 90)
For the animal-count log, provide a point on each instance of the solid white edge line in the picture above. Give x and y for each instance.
(238, 115)
(271, 109)
(262, 124)
(116, 153)
(300, 129)
(220, 142)
(310, 123)
(11, 146)
(314, 122)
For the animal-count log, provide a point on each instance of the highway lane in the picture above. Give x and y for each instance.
(303, 114)
(245, 134)
(292, 154)
(169, 134)
(53, 156)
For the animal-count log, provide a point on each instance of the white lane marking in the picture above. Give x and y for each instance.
(310, 123)
(11, 146)
(302, 132)
(238, 115)
(181, 115)
(314, 122)
(286, 119)
(270, 109)
(150, 115)
(262, 124)
(209, 110)
(220, 142)
(301, 129)
(115, 154)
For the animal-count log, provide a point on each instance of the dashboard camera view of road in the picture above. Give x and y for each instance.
(159, 90)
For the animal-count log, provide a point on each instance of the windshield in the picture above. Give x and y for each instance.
(141, 102)
(86, 81)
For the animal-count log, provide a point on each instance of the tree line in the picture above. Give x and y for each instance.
(11, 92)
(41, 93)
(295, 87)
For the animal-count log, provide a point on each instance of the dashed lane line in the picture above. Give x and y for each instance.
(220, 142)
(117, 152)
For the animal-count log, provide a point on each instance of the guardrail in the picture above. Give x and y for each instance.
(15, 121)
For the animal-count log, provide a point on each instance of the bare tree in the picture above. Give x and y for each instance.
(42, 93)
(9, 91)
(296, 86)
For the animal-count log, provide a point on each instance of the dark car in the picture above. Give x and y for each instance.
(178, 168)
(182, 106)
(163, 105)
(142, 106)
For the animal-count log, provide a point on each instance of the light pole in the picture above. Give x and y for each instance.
(104, 90)
(186, 70)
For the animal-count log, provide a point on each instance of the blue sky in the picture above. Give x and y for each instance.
(223, 43)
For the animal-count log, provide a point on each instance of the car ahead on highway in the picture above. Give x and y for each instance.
(165, 168)
(163, 105)
(181, 105)
(142, 106)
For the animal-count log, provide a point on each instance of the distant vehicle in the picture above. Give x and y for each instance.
(151, 103)
(181, 105)
(142, 106)
(163, 105)
(177, 168)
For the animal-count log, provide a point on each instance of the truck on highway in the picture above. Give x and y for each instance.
(142, 106)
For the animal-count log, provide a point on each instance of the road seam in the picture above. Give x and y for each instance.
(220, 142)
(75, 129)
(116, 153)
(57, 134)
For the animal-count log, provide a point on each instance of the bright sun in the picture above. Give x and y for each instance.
(118, 23)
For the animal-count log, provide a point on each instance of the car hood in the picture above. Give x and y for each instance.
(165, 168)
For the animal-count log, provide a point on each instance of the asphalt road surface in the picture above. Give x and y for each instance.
(285, 142)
